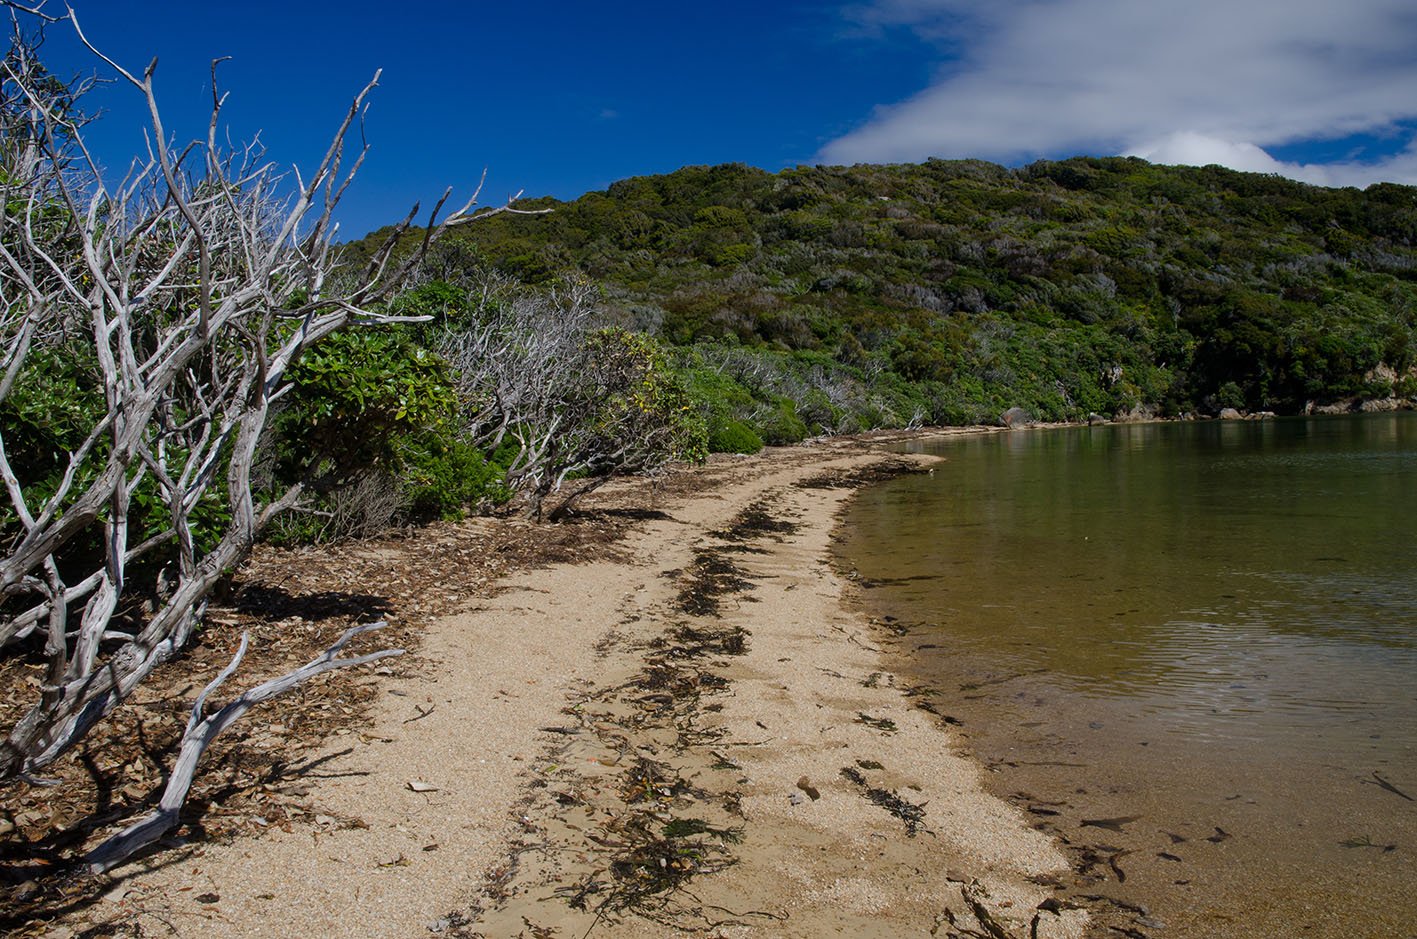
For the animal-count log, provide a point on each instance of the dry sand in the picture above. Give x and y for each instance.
(726, 754)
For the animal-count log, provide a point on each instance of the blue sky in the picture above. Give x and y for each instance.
(562, 98)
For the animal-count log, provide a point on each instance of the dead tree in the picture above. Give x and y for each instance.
(511, 360)
(190, 287)
(583, 403)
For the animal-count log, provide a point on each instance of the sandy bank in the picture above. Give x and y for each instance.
(694, 734)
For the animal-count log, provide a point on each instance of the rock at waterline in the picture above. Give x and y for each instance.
(1015, 417)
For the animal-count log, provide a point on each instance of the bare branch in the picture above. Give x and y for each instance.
(202, 730)
(180, 298)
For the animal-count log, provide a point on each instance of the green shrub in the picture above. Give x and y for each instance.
(355, 400)
(370, 423)
(779, 425)
(1230, 395)
(443, 478)
(734, 437)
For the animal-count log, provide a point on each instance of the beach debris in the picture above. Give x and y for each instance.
(884, 724)
(1384, 784)
(1366, 841)
(856, 478)
(869, 764)
(685, 641)
(710, 577)
(1167, 856)
(539, 932)
(908, 812)
(454, 920)
(1111, 824)
(721, 761)
(202, 730)
(755, 522)
(1052, 906)
(980, 922)
(418, 785)
(806, 786)
(1220, 835)
(1117, 868)
(1175, 838)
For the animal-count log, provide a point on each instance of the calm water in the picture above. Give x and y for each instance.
(1211, 627)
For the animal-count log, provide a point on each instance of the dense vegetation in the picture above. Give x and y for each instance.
(833, 299)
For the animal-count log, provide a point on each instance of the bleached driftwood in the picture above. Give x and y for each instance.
(203, 730)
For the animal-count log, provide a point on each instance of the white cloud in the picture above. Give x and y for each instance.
(1193, 82)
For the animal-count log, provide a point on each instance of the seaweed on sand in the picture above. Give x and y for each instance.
(711, 576)
(908, 812)
(755, 522)
(864, 476)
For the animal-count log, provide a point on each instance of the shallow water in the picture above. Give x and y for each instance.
(1210, 626)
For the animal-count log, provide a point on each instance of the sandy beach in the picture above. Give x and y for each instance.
(688, 730)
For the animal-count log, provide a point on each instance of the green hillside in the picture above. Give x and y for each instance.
(947, 291)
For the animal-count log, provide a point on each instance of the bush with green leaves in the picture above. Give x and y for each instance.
(371, 425)
(357, 400)
(734, 437)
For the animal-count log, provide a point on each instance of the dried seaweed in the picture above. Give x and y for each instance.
(863, 476)
(908, 812)
(884, 724)
(711, 576)
(754, 522)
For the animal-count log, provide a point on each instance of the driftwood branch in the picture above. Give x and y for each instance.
(203, 729)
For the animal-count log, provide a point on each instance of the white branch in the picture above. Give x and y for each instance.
(203, 730)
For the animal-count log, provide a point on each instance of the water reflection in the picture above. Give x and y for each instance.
(1169, 558)
(1205, 624)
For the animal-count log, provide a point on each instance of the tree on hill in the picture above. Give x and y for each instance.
(1089, 284)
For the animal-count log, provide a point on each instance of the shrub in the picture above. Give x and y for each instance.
(443, 478)
(734, 437)
(779, 424)
(357, 401)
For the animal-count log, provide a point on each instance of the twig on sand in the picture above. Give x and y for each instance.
(1384, 784)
